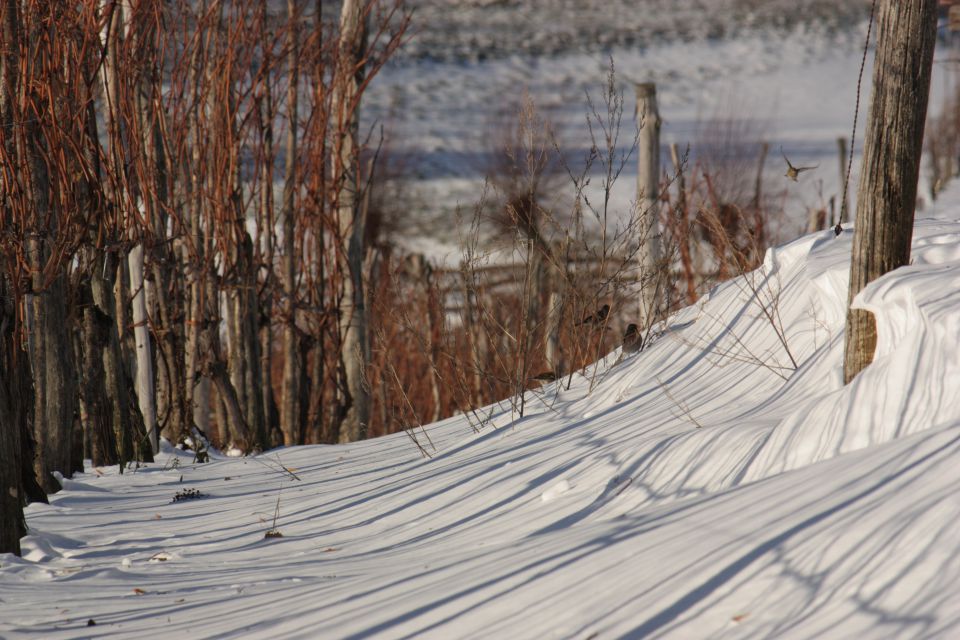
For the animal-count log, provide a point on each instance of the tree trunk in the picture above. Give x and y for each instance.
(14, 413)
(98, 409)
(201, 404)
(54, 385)
(117, 380)
(192, 258)
(353, 313)
(55, 392)
(893, 142)
(241, 308)
(18, 482)
(290, 394)
(171, 379)
(648, 201)
(166, 284)
(141, 332)
(265, 231)
(232, 425)
(317, 384)
(102, 272)
(245, 346)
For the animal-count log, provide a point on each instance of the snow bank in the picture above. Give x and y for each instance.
(914, 382)
(721, 483)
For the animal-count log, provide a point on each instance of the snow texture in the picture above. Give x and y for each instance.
(694, 492)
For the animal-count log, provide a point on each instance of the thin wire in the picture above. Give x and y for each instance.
(856, 111)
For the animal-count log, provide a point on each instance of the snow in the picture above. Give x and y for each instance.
(700, 488)
(704, 487)
(445, 115)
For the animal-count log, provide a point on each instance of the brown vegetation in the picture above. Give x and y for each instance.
(194, 241)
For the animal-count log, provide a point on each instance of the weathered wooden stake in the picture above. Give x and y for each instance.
(886, 200)
(648, 199)
(845, 204)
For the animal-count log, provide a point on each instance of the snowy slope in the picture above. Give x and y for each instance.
(701, 488)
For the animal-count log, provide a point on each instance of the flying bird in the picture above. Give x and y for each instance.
(632, 340)
(596, 318)
(792, 171)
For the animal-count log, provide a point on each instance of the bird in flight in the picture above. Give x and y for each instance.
(792, 171)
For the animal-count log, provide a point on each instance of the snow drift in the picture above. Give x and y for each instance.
(705, 487)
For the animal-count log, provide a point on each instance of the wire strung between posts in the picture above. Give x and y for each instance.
(856, 111)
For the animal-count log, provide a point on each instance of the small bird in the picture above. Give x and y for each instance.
(632, 340)
(792, 171)
(545, 376)
(837, 230)
(596, 318)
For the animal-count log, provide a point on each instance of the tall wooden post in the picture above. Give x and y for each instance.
(906, 36)
(845, 202)
(648, 199)
(555, 284)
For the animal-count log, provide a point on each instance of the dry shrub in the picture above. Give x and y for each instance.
(450, 340)
(942, 142)
(721, 215)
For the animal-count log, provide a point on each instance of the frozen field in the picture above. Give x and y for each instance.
(781, 72)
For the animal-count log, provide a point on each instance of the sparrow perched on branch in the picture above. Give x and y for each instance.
(792, 171)
(632, 340)
(596, 318)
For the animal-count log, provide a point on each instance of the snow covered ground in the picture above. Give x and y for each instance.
(706, 487)
(701, 488)
(784, 73)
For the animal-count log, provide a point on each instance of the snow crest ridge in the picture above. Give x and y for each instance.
(914, 381)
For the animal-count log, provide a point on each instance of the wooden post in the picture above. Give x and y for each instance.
(682, 222)
(906, 35)
(648, 199)
(555, 285)
(758, 181)
(816, 219)
(476, 337)
(760, 220)
(421, 272)
(845, 204)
